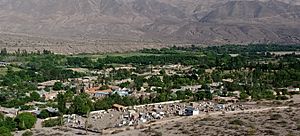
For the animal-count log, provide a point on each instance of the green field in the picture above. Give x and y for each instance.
(129, 54)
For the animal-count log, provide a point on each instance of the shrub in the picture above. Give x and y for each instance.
(251, 132)
(52, 122)
(282, 97)
(27, 133)
(35, 96)
(25, 121)
(58, 86)
(237, 122)
(8, 122)
(44, 114)
(5, 131)
(25, 107)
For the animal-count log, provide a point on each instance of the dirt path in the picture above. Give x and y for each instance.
(38, 124)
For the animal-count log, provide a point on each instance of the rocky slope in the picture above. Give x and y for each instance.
(163, 21)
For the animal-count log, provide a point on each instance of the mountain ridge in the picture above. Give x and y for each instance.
(208, 22)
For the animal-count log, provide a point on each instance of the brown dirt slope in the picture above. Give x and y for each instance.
(87, 23)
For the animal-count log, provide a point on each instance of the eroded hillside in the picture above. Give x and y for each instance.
(88, 22)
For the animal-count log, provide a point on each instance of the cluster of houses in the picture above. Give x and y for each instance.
(13, 112)
(97, 92)
(90, 86)
(86, 84)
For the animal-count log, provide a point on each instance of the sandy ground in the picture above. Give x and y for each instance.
(296, 98)
(57, 131)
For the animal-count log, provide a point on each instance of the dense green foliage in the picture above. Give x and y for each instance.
(255, 69)
(44, 114)
(58, 86)
(35, 96)
(25, 121)
(21, 122)
(81, 105)
(7, 125)
(61, 102)
(5, 131)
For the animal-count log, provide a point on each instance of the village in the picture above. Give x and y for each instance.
(105, 94)
(136, 115)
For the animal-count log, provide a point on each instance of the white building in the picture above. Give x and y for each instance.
(190, 111)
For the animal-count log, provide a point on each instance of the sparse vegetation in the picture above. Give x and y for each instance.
(237, 122)
(275, 116)
(52, 122)
(27, 133)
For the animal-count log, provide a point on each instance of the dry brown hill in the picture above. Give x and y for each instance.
(69, 24)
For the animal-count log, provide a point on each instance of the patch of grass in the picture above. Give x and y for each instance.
(233, 127)
(252, 126)
(52, 122)
(129, 54)
(251, 132)
(290, 134)
(3, 70)
(27, 133)
(237, 122)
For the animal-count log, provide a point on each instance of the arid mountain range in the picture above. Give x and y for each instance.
(72, 26)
